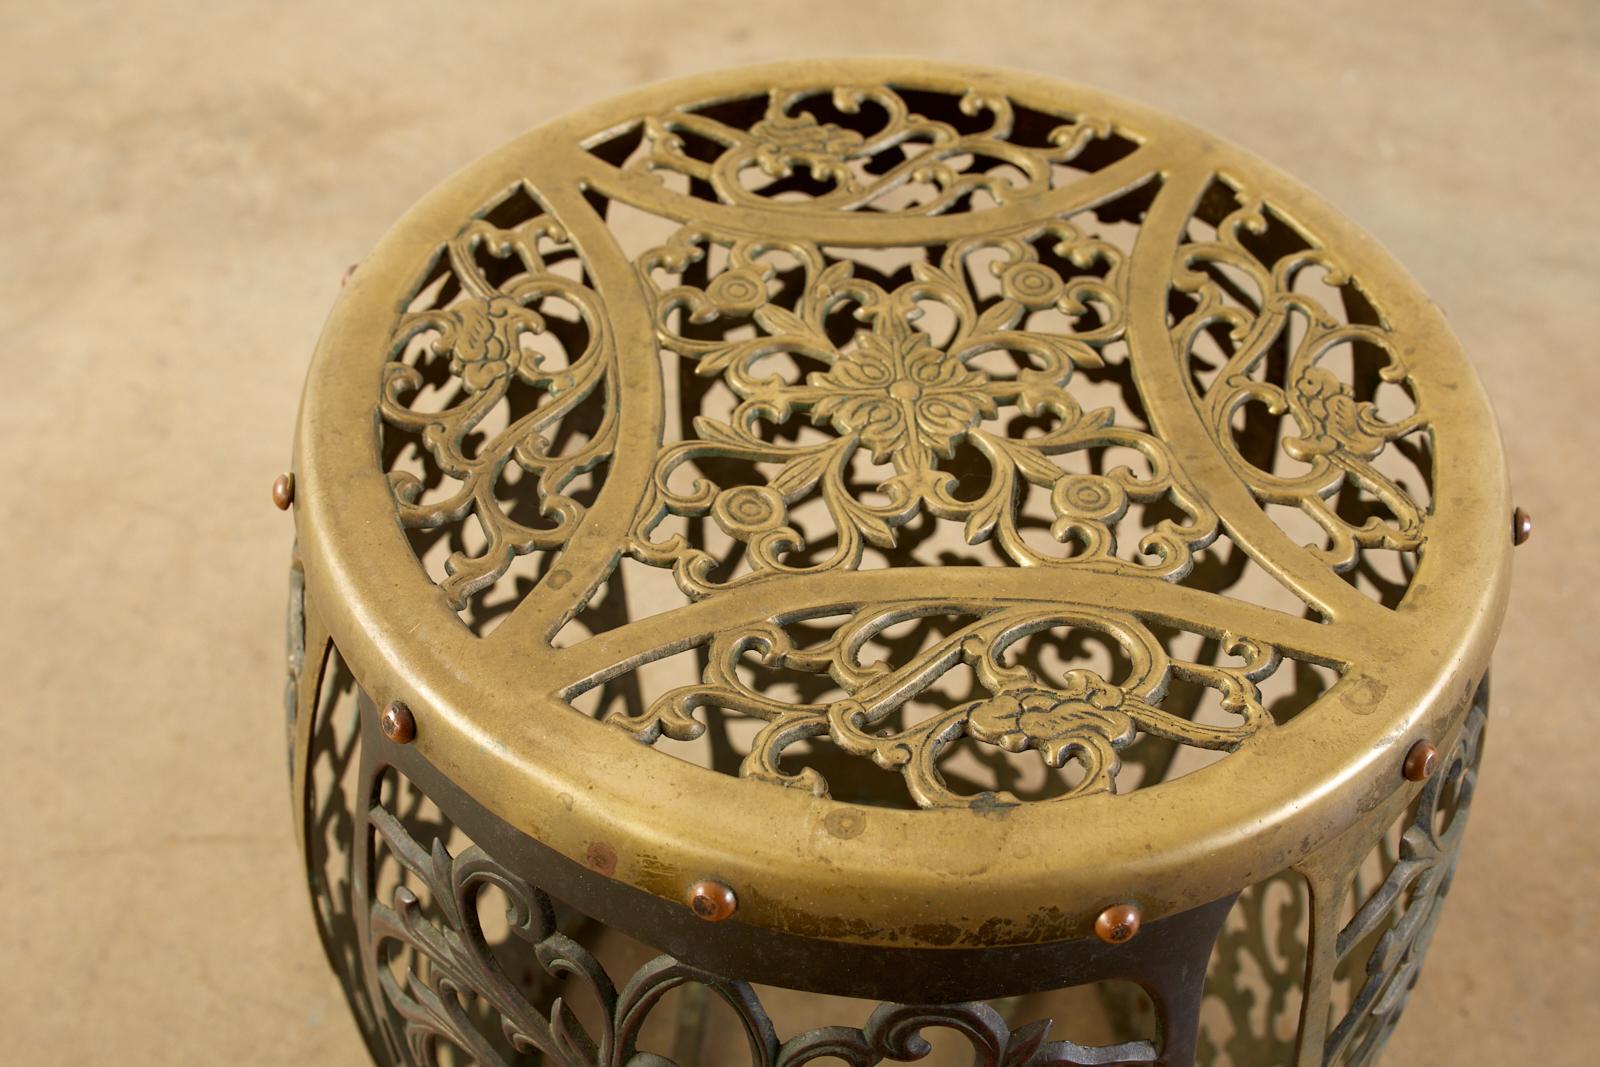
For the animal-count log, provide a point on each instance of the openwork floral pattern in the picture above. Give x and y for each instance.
(901, 396)
(1082, 716)
(897, 438)
(909, 400)
(877, 153)
(1253, 303)
(454, 979)
(483, 331)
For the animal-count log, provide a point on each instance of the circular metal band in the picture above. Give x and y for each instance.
(491, 714)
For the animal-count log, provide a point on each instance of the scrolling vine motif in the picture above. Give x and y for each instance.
(855, 169)
(433, 1004)
(1336, 435)
(1404, 910)
(1083, 717)
(461, 965)
(908, 401)
(484, 334)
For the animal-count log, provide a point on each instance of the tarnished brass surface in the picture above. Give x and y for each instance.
(1056, 243)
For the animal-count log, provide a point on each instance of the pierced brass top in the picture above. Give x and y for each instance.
(950, 461)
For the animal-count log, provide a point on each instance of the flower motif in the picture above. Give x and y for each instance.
(1085, 714)
(1340, 421)
(1032, 285)
(1089, 496)
(738, 292)
(781, 139)
(483, 342)
(904, 368)
(746, 510)
(900, 394)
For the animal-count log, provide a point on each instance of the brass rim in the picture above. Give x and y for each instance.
(486, 711)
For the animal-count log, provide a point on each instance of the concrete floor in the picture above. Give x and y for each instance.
(181, 187)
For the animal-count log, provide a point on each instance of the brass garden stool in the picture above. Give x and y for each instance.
(809, 563)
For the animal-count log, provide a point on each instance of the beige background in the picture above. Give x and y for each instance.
(181, 187)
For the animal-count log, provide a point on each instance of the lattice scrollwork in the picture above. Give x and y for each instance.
(1398, 919)
(332, 852)
(461, 966)
(1080, 716)
(452, 975)
(907, 399)
(863, 147)
(1257, 976)
(500, 298)
(1252, 302)
(895, 1033)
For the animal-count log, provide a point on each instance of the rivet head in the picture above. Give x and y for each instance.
(397, 723)
(1118, 923)
(712, 901)
(1521, 526)
(283, 491)
(1421, 761)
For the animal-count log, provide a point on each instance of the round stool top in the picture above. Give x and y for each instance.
(931, 504)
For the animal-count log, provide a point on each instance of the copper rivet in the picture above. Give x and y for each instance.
(283, 491)
(1521, 526)
(712, 901)
(1421, 761)
(398, 724)
(1118, 923)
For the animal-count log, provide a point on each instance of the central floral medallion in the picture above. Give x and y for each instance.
(953, 369)
(900, 395)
